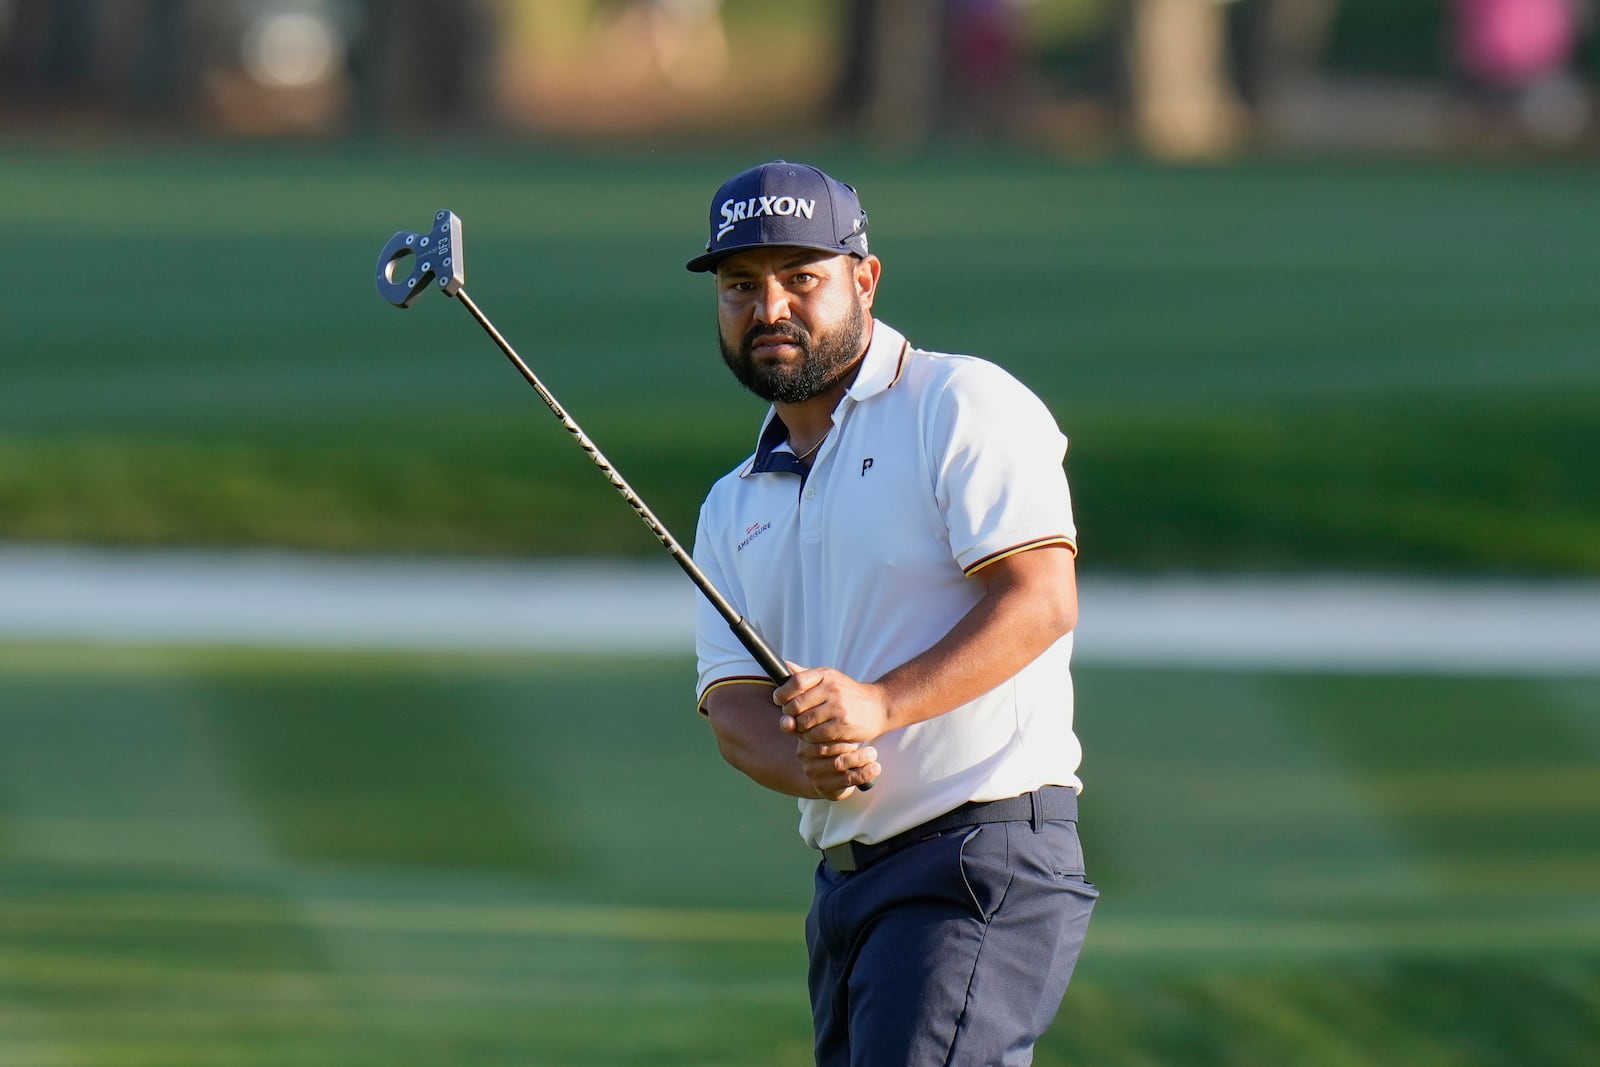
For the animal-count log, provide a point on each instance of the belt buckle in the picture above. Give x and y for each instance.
(841, 858)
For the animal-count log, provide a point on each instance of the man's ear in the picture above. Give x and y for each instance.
(868, 270)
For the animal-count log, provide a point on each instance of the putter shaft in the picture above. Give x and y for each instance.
(439, 259)
(764, 654)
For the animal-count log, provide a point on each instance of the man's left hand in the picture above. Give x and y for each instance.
(823, 705)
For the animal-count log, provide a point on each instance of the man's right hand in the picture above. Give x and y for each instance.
(837, 768)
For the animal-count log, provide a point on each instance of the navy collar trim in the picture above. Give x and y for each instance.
(770, 461)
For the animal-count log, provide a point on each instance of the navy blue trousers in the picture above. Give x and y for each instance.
(952, 952)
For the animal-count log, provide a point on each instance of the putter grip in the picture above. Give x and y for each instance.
(776, 669)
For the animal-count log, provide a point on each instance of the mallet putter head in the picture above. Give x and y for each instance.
(410, 262)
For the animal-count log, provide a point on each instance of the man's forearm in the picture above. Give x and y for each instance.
(746, 724)
(1029, 602)
(1004, 632)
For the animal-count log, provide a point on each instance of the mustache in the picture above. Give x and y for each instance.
(793, 331)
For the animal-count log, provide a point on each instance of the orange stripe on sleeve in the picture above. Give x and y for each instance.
(741, 680)
(995, 557)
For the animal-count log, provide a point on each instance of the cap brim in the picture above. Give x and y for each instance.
(708, 262)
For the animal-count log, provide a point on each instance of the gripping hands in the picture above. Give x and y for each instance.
(833, 716)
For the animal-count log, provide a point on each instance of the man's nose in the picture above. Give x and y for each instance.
(772, 302)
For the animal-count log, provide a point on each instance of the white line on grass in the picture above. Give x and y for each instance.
(274, 599)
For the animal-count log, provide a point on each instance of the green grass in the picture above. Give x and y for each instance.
(1263, 366)
(220, 858)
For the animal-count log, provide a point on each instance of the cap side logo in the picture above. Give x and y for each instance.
(736, 211)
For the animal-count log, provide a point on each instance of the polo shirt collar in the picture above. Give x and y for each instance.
(882, 365)
(880, 368)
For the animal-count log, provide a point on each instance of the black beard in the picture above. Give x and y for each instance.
(826, 360)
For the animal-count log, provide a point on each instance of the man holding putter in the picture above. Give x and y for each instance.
(903, 535)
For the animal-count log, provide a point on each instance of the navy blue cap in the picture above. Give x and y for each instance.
(781, 203)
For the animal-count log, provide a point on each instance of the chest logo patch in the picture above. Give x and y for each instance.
(753, 531)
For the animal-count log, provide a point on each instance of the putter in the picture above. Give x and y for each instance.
(409, 266)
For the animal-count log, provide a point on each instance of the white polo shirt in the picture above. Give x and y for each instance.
(936, 466)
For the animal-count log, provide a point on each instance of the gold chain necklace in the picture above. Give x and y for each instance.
(807, 453)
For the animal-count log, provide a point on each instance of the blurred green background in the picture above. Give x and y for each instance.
(1280, 348)
(1261, 365)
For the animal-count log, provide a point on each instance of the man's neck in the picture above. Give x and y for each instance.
(810, 420)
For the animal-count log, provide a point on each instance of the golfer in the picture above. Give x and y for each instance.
(903, 535)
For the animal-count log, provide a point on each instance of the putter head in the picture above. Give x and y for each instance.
(410, 262)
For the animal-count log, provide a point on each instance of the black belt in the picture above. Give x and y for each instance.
(1052, 803)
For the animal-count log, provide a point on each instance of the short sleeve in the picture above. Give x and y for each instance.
(997, 455)
(720, 656)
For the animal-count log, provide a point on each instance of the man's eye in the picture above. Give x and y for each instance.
(804, 279)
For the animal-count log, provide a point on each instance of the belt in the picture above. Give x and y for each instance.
(1052, 803)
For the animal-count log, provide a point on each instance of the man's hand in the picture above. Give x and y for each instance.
(749, 739)
(832, 717)
(837, 768)
(821, 704)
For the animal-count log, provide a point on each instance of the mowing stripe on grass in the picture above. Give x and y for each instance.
(562, 921)
(1113, 935)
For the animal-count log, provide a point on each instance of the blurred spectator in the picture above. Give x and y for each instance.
(1517, 54)
(1514, 43)
(914, 69)
(421, 63)
(892, 68)
(48, 53)
(645, 46)
(687, 41)
(985, 56)
(1184, 102)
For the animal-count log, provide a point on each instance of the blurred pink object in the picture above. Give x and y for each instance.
(1514, 43)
